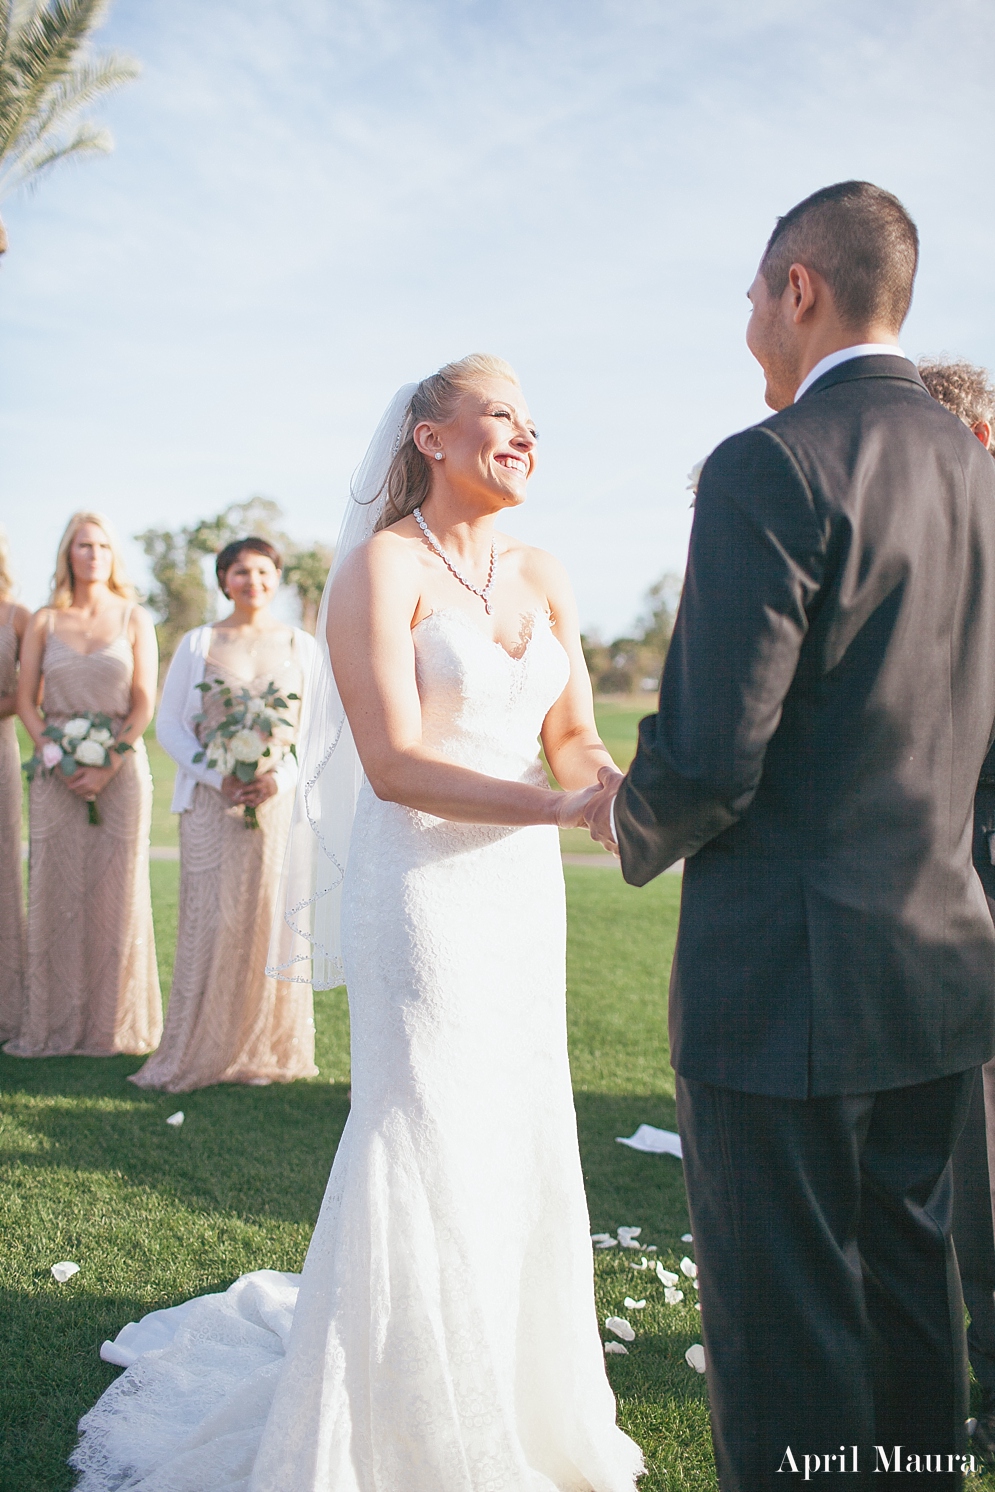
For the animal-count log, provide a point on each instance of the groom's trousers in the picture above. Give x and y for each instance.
(831, 1306)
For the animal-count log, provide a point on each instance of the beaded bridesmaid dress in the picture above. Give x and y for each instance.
(443, 1335)
(11, 892)
(227, 1021)
(92, 986)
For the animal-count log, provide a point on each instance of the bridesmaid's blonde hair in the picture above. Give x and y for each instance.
(62, 580)
(7, 586)
(435, 398)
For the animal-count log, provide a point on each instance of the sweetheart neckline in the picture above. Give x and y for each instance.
(455, 611)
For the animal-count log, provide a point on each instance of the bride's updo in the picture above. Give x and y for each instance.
(435, 399)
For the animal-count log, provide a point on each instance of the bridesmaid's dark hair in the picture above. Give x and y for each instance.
(251, 545)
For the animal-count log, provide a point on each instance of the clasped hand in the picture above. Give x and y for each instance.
(590, 808)
(250, 794)
(87, 782)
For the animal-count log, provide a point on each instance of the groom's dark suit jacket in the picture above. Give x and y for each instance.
(828, 700)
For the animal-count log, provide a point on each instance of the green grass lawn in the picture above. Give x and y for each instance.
(153, 1215)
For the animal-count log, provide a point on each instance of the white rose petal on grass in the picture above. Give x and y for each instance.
(689, 1267)
(626, 1236)
(600, 1237)
(643, 1264)
(686, 1238)
(64, 1271)
(611, 1243)
(695, 1357)
(634, 1305)
(697, 1305)
(617, 1347)
(90, 754)
(672, 1296)
(621, 1328)
(76, 728)
(176, 1119)
(246, 746)
(665, 1276)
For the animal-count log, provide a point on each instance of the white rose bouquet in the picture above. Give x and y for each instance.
(253, 735)
(85, 741)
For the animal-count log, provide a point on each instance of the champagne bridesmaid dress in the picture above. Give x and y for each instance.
(227, 1021)
(11, 892)
(92, 984)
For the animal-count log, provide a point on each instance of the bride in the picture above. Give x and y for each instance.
(442, 1336)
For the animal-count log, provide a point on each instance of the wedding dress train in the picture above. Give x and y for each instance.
(442, 1336)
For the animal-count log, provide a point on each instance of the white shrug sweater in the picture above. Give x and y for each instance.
(182, 700)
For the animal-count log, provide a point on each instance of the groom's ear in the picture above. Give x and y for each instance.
(804, 290)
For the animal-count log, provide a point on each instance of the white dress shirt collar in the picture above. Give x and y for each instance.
(833, 360)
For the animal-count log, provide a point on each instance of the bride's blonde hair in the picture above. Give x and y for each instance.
(408, 477)
(62, 580)
(7, 586)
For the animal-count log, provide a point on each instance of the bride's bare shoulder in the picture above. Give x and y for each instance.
(534, 564)
(386, 558)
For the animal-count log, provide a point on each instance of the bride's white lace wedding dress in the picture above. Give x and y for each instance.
(442, 1337)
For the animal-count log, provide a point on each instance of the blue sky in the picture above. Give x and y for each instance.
(313, 201)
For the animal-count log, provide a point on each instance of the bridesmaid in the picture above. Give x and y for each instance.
(13, 620)
(227, 1022)
(92, 985)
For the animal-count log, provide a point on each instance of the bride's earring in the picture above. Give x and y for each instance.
(439, 456)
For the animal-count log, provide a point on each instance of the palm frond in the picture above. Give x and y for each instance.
(88, 139)
(46, 80)
(80, 87)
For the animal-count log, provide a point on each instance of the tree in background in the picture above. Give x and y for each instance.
(306, 570)
(48, 76)
(633, 665)
(180, 594)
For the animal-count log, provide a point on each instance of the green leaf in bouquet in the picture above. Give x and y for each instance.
(53, 732)
(293, 750)
(31, 766)
(67, 766)
(245, 771)
(204, 687)
(198, 756)
(293, 696)
(121, 747)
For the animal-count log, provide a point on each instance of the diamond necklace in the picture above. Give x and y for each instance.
(484, 592)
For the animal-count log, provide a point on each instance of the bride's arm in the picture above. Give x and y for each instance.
(371, 606)
(574, 750)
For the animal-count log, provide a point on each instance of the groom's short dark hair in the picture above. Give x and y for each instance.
(862, 242)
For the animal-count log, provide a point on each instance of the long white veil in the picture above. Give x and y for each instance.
(306, 945)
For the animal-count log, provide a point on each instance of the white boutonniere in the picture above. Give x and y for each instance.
(694, 477)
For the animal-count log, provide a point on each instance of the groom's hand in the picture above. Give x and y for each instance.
(597, 814)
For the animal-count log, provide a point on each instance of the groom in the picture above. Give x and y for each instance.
(827, 703)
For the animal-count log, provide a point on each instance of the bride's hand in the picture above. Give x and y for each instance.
(598, 815)
(571, 808)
